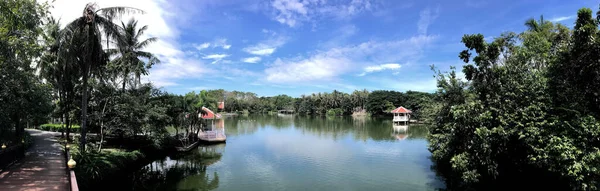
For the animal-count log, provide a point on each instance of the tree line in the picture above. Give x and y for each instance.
(378, 102)
(526, 116)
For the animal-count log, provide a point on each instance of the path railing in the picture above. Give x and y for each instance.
(72, 178)
(11, 154)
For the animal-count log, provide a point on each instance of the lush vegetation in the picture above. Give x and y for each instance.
(527, 112)
(23, 97)
(58, 127)
(336, 103)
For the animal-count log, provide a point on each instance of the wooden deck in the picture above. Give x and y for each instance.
(43, 167)
(212, 136)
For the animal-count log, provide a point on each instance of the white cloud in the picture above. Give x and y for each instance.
(293, 12)
(559, 19)
(260, 50)
(377, 68)
(391, 66)
(267, 47)
(202, 46)
(165, 74)
(328, 65)
(289, 11)
(426, 17)
(221, 42)
(318, 67)
(215, 57)
(251, 59)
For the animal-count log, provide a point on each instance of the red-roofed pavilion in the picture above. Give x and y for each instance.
(401, 117)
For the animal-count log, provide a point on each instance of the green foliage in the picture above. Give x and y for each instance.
(95, 167)
(23, 97)
(58, 127)
(381, 102)
(130, 58)
(528, 114)
(335, 112)
(314, 104)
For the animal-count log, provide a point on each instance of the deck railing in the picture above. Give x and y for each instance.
(212, 134)
(11, 154)
(400, 118)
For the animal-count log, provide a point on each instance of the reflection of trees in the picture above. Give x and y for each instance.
(361, 128)
(242, 125)
(181, 172)
(417, 131)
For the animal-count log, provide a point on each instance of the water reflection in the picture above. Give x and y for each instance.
(181, 172)
(361, 128)
(302, 153)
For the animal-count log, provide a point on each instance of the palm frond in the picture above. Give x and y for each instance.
(144, 54)
(108, 25)
(141, 31)
(145, 43)
(111, 52)
(117, 12)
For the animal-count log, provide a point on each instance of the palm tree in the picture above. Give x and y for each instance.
(540, 25)
(57, 72)
(80, 44)
(130, 58)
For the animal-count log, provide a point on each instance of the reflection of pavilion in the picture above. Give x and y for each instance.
(215, 132)
(400, 135)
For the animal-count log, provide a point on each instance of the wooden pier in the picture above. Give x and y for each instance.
(214, 136)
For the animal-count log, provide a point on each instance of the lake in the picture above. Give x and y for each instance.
(301, 153)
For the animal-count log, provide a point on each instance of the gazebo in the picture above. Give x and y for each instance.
(401, 118)
(216, 133)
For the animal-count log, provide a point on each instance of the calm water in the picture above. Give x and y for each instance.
(300, 153)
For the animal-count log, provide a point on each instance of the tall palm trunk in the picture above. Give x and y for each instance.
(84, 104)
(125, 76)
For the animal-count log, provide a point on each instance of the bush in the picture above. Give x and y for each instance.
(335, 112)
(58, 127)
(94, 167)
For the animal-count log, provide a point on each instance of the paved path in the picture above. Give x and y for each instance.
(43, 167)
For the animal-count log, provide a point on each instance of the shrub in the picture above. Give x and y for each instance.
(335, 112)
(58, 127)
(95, 167)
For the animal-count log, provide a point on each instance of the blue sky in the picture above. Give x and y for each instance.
(299, 47)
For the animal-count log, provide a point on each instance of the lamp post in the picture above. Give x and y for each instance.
(3, 146)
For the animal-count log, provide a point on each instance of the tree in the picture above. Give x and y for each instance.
(22, 95)
(130, 58)
(575, 81)
(80, 43)
(526, 116)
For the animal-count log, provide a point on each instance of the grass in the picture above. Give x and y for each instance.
(58, 127)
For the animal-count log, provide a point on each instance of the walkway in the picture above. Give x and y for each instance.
(43, 167)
